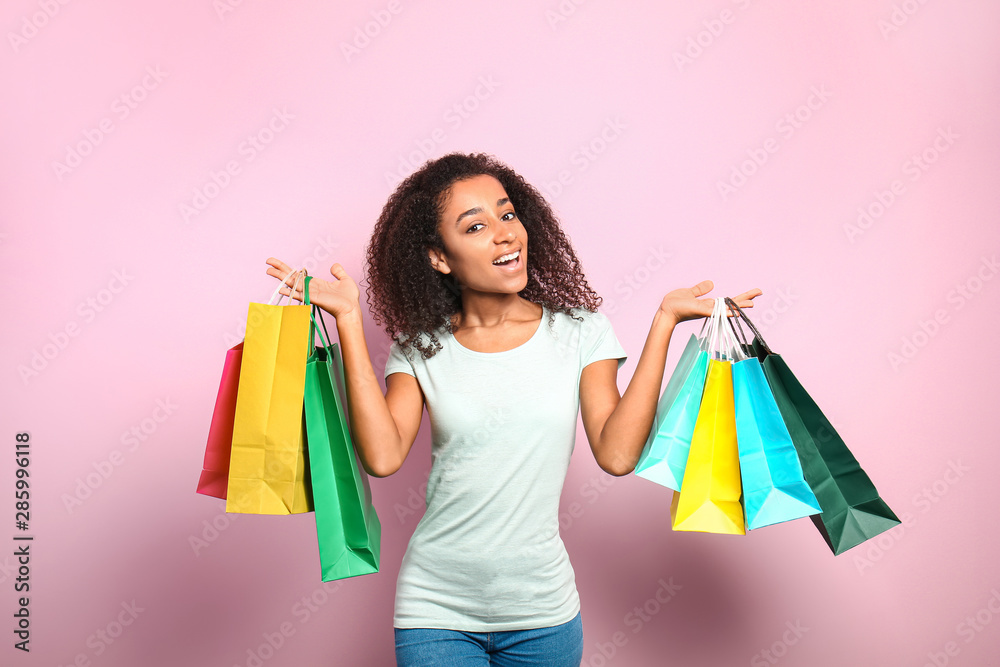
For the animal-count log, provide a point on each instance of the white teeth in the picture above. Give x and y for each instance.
(507, 258)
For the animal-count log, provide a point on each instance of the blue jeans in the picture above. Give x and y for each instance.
(558, 646)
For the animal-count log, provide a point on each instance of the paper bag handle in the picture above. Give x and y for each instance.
(277, 290)
(316, 314)
(739, 311)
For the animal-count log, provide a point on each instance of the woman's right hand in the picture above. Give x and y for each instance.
(383, 427)
(339, 297)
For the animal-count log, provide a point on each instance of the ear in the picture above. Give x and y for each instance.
(438, 260)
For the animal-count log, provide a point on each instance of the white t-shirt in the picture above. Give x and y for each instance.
(487, 555)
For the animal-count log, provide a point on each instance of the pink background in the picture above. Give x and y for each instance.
(668, 100)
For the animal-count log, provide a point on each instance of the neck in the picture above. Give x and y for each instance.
(489, 310)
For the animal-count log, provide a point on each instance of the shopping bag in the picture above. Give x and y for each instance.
(268, 470)
(853, 511)
(666, 451)
(347, 527)
(709, 500)
(774, 487)
(215, 473)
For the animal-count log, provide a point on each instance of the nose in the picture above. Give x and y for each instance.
(504, 234)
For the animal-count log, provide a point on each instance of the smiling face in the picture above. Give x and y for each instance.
(485, 244)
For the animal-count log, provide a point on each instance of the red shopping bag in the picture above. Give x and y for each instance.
(215, 477)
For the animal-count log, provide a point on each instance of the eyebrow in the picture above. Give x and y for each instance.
(479, 209)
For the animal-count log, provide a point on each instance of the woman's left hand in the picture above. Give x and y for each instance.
(685, 304)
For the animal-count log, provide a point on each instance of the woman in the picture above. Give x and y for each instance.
(495, 330)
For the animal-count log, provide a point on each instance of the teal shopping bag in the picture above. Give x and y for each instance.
(666, 452)
(347, 527)
(774, 488)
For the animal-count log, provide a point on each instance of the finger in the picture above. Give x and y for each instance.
(279, 266)
(287, 278)
(283, 272)
(744, 300)
(707, 307)
(338, 271)
(704, 287)
(297, 294)
(730, 311)
(298, 283)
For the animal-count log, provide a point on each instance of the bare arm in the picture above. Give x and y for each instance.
(617, 425)
(383, 427)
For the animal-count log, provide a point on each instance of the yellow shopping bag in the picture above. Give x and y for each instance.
(710, 499)
(268, 467)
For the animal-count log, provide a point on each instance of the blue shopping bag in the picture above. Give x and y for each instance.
(666, 452)
(774, 487)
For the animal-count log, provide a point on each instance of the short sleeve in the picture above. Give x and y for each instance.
(398, 362)
(598, 341)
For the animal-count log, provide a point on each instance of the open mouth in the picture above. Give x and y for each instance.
(511, 260)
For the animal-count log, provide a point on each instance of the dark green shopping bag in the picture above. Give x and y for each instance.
(347, 527)
(853, 511)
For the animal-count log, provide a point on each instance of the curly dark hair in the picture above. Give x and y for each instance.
(408, 297)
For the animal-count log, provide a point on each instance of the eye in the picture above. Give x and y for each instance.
(473, 227)
(509, 215)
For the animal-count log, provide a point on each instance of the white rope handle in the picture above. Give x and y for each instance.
(707, 331)
(716, 333)
(717, 337)
(277, 291)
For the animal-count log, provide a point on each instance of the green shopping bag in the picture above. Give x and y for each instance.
(347, 527)
(853, 511)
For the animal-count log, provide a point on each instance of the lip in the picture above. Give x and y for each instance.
(508, 252)
(514, 266)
